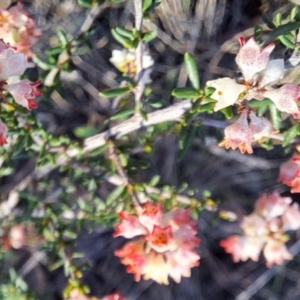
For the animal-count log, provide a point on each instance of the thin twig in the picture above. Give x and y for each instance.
(116, 160)
(117, 180)
(139, 89)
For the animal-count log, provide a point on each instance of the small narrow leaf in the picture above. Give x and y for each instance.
(146, 4)
(290, 134)
(149, 36)
(124, 32)
(126, 42)
(227, 112)
(62, 36)
(122, 113)
(85, 3)
(192, 70)
(83, 132)
(262, 103)
(189, 93)
(115, 194)
(287, 42)
(275, 118)
(115, 92)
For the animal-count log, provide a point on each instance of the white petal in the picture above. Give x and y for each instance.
(272, 73)
(227, 91)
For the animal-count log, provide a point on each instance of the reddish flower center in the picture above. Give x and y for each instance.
(32, 104)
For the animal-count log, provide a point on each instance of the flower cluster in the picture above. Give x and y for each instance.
(125, 61)
(165, 243)
(289, 173)
(18, 30)
(12, 65)
(259, 76)
(247, 129)
(264, 230)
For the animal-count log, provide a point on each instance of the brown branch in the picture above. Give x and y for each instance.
(116, 160)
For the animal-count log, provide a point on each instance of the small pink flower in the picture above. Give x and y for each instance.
(17, 236)
(288, 172)
(12, 63)
(272, 205)
(285, 98)
(291, 218)
(260, 127)
(3, 133)
(24, 92)
(276, 252)
(238, 135)
(129, 227)
(251, 59)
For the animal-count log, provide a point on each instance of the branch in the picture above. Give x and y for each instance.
(116, 160)
(139, 89)
(171, 113)
(116, 180)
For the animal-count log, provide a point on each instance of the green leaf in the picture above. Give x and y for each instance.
(85, 3)
(185, 141)
(209, 90)
(294, 12)
(116, 92)
(149, 36)
(192, 70)
(154, 180)
(283, 29)
(122, 113)
(286, 41)
(189, 93)
(278, 19)
(155, 103)
(275, 116)
(42, 63)
(62, 36)
(83, 132)
(116, 1)
(124, 32)
(115, 194)
(146, 4)
(208, 107)
(268, 21)
(259, 103)
(290, 134)
(126, 42)
(227, 112)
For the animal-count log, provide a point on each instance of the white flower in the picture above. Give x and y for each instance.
(125, 61)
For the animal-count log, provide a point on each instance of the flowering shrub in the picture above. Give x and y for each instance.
(77, 163)
(265, 230)
(165, 246)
